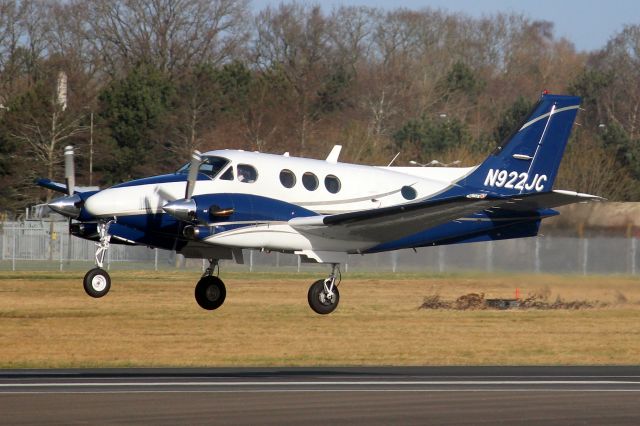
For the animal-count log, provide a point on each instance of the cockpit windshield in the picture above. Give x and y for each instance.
(210, 166)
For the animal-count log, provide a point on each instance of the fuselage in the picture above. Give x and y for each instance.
(317, 185)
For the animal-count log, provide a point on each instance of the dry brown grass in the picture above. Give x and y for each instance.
(151, 319)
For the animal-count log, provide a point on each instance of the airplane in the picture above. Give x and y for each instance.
(224, 201)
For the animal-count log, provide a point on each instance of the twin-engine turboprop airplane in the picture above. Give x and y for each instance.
(227, 200)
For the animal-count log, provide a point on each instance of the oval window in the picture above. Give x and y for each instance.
(332, 183)
(310, 181)
(408, 193)
(287, 178)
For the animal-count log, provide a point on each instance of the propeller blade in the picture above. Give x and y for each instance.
(196, 160)
(69, 170)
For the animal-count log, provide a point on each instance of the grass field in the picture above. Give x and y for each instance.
(151, 319)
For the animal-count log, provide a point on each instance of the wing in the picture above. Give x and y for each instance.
(394, 222)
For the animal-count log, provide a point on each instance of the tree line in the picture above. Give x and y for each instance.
(149, 81)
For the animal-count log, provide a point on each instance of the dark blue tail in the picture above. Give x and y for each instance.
(528, 161)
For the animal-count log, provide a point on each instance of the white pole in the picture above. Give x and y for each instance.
(250, 260)
(13, 258)
(633, 255)
(155, 260)
(537, 256)
(61, 248)
(585, 255)
(489, 257)
(298, 263)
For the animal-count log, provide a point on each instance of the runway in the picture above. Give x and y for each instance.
(408, 395)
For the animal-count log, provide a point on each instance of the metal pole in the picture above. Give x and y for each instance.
(394, 261)
(91, 152)
(633, 255)
(489, 257)
(250, 260)
(585, 255)
(155, 260)
(441, 264)
(13, 257)
(61, 248)
(298, 263)
(537, 256)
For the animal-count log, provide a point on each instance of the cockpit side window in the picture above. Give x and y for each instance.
(228, 174)
(210, 166)
(247, 173)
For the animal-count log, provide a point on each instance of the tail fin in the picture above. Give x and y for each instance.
(528, 161)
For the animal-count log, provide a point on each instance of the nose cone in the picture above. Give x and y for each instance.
(68, 206)
(184, 210)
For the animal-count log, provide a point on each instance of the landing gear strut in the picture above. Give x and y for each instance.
(97, 281)
(323, 295)
(210, 290)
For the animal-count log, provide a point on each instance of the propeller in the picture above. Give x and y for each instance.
(196, 160)
(185, 209)
(68, 205)
(69, 170)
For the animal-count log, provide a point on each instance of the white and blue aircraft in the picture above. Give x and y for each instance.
(227, 200)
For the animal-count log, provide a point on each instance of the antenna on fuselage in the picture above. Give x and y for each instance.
(394, 159)
(334, 154)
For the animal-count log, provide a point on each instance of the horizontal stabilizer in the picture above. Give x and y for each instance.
(54, 186)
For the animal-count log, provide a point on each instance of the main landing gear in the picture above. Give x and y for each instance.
(323, 295)
(210, 290)
(97, 281)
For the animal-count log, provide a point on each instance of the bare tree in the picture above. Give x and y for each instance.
(171, 34)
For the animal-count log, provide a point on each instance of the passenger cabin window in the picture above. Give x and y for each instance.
(287, 178)
(210, 166)
(332, 183)
(310, 181)
(227, 175)
(408, 193)
(247, 173)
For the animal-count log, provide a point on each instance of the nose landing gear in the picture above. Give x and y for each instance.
(323, 295)
(210, 291)
(97, 281)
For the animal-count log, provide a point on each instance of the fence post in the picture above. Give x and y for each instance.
(633, 255)
(155, 259)
(585, 255)
(61, 248)
(537, 256)
(489, 257)
(13, 256)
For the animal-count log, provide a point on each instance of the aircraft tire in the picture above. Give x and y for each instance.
(210, 293)
(318, 302)
(97, 282)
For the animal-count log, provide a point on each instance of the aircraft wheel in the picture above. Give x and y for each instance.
(97, 282)
(210, 293)
(319, 301)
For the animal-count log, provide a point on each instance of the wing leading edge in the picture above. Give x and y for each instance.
(402, 220)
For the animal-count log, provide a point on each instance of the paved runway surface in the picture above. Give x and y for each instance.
(411, 395)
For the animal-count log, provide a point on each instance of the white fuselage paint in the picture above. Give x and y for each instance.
(361, 188)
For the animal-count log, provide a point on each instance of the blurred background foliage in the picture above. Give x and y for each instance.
(152, 81)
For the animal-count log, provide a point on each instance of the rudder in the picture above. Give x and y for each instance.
(528, 161)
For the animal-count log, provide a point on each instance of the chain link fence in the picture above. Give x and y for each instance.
(34, 245)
